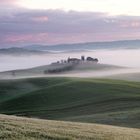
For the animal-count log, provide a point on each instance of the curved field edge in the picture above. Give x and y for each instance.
(16, 128)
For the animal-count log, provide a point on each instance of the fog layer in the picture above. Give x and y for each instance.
(127, 57)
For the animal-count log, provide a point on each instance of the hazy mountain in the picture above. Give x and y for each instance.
(19, 51)
(78, 47)
(124, 44)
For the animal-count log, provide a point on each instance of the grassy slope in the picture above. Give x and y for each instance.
(73, 99)
(39, 71)
(127, 76)
(14, 128)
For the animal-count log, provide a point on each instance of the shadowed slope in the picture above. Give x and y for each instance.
(77, 99)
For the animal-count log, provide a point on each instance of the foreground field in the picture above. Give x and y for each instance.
(15, 128)
(73, 99)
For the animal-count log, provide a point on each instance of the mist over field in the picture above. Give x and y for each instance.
(121, 57)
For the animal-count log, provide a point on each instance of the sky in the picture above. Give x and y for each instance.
(26, 22)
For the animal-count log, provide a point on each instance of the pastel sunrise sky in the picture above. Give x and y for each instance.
(24, 22)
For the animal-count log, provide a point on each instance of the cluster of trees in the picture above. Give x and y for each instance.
(92, 59)
(59, 70)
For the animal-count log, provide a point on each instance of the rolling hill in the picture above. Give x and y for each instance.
(133, 76)
(120, 44)
(75, 47)
(74, 71)
(73, 99)
(20, 51)
(15, 128)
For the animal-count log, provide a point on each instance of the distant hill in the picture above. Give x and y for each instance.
(77, 47)
(124, 44)
(67, 70)
(19, 51)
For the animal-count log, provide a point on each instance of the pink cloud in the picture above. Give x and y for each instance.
(40, 19)
(52, 38)
(55, 27)
(130, 24)
(25, 38)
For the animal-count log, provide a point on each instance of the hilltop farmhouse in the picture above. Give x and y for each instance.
(70, 64)
(82, 60)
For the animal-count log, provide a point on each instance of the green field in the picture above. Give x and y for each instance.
(16, 128)
(73, 99)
